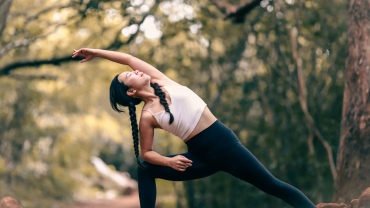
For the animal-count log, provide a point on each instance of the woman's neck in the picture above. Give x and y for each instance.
(147, 95)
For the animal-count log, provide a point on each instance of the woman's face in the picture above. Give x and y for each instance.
(134, 79)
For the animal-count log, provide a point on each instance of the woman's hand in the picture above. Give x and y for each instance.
(88, 53)
(179, 163)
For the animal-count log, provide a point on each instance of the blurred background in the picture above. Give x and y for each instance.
(274, 75)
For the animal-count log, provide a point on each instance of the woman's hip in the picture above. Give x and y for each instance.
(214, 138)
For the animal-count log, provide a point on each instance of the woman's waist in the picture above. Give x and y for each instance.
(205, 121)
(217, 136)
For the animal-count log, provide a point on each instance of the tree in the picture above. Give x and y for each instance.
(353, 158)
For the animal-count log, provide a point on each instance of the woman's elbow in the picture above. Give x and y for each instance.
(145, 156)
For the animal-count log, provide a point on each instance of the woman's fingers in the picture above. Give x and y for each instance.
(183, 166)
(76, 53)
(82, 52)
(182, 163)
(184, 159)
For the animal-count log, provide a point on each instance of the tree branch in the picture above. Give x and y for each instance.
(236, 13)
(46, 10)
(56, 61)
(239, 15)
(26, 42)
(303, 101)
(224, 6)
(115, 44)
(34, 63)
(33, 77)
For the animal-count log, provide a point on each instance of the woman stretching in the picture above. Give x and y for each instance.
(212, 146)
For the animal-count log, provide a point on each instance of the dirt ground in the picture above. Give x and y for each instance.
(131, 201)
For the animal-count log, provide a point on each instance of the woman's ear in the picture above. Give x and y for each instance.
(131, 92)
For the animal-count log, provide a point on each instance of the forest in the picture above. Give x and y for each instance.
(289, 77)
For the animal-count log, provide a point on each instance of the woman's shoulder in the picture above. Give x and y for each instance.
(165, 83)
(147, 120)
(146, 117)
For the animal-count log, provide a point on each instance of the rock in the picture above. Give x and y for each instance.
(331, 205)
(354, 203)
(364, 199)
(9, 202)
(112, 179)
(362, 202)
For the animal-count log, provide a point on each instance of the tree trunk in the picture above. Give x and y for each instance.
(353, 165)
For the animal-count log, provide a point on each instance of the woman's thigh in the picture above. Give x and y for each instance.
(241, 163)
(199, 169)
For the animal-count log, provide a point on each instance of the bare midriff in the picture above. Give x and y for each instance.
(206, 120)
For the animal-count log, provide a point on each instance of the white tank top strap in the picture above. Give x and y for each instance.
(148, 111)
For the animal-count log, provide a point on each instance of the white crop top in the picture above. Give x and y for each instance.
(186, 108)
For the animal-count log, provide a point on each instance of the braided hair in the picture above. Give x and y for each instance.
(119, 98)
(162, 99)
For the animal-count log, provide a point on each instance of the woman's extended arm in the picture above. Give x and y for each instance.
(121, 58)
(179, 162)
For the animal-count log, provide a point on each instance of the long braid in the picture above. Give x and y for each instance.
(135, 131)
(162, 98)
(119, 97)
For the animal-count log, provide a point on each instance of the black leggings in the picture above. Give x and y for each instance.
(215, 149)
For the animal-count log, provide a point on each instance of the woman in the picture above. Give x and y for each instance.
(212, 147)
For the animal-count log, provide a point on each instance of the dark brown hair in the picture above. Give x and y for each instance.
(119, 99)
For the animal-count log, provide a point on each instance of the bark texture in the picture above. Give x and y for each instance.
(353, 164)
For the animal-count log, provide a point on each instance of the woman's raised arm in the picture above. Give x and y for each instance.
(121, 58)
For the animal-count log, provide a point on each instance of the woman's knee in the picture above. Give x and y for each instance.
(144, 170)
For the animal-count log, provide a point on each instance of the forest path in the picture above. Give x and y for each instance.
(130, 201)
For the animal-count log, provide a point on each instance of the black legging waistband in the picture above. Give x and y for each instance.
(213, 138)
